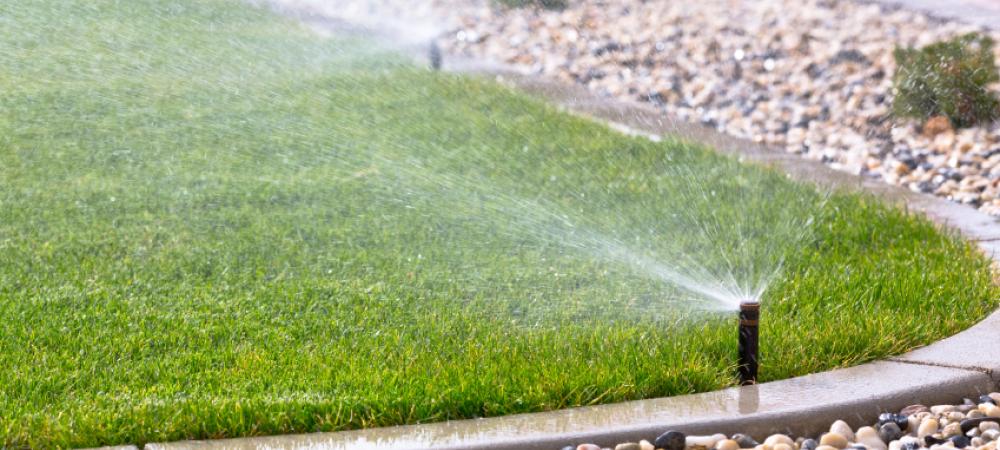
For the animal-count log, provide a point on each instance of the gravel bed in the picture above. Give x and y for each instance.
(810, 76)
(972, 424)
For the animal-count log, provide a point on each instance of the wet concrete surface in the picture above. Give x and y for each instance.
(795, 406)
(977, 348)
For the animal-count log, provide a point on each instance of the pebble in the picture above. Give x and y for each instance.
(587, 447)
(959, 441)
(727, 444)
(913, 409)
(628, 446)
(952, 429)
(842, 428)
(703, 441)
(827, 447)
(808, 444)
(941, 409)
(928, 427)
(900, 420)
(671, 440)
(889, 432)
(775, 439)
(983, 423)
(834, 440)
(868, 437)
(745, 441)
(990, 410)
(646, 445)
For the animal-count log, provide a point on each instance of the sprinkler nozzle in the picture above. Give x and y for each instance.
(748, 340)
(434, 55)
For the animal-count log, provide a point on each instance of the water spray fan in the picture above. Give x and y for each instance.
(748, 341)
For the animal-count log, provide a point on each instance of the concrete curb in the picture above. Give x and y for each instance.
(964, 365)
(984, 13)
(795, 406)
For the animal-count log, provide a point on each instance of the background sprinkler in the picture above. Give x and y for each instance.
(749, 319)
(434, 55)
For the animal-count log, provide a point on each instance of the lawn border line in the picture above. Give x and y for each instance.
(942, 372)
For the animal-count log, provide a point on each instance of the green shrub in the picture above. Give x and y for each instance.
(545, 4)
(947, 78)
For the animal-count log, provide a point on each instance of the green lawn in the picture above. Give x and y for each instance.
(215, 224)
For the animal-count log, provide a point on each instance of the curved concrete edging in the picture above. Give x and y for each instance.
(963, 365)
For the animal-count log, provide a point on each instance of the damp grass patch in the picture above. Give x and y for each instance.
(216, 224)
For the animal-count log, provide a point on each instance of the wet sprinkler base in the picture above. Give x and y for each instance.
(746, 370)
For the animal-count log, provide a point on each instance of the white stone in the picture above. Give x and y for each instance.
(774, 439)
(928, 427)
(703, 441)
(868, 437)
(842, 428)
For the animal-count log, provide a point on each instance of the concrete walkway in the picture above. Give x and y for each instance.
(964, 365)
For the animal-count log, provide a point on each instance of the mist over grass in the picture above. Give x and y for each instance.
(214, 223)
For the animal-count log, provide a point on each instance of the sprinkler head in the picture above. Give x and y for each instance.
(748, 340)
(434, 55)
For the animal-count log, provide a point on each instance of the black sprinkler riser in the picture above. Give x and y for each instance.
(748, 340)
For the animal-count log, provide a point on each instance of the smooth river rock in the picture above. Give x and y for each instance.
(703, 441)
(671, 440)
(913, 409)
(898, 419)
(842, 428)
(727, 444)
(889, 432)
(776, 439)
(835, 440)
(869, 438)
(745, 441)
(952, 429)
(959, 441)
(928, 427)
